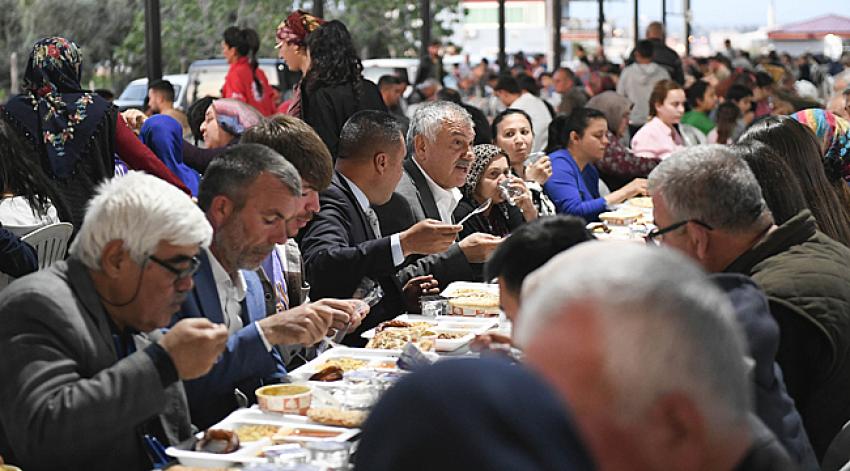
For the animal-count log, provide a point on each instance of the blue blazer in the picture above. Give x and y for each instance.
(245, 363)
(572, 191)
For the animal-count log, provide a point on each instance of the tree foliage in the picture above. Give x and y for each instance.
(112, 32)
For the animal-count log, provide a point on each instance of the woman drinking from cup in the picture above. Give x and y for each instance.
(490, 178)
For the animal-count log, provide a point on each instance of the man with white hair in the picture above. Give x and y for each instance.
(709, 205)
(439, 145)
(646, 352)
(82, 384)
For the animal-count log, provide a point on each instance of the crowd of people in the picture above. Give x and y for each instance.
(216, 250)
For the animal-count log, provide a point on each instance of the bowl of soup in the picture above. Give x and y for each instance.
(284, 398)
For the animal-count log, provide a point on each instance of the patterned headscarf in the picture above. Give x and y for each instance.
(235, 116)
(834, 132)
(54, 110)
(485, 154)
(295, 28)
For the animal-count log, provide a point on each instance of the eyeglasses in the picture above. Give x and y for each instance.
(180, 273)
(654, 236)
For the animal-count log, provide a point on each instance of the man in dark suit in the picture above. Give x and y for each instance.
(248, 194)
(345, 246)
(440, 153)
(82, 382)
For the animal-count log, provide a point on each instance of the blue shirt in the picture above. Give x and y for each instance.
(573, 191)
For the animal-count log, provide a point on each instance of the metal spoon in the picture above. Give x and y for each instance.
(475, 211)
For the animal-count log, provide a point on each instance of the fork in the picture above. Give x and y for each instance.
(475, 211)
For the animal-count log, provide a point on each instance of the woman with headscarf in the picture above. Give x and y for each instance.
(74, 132)
(164, 135)
(833, 132)
(333, 88)
(511, 204)
(224, 122)
(292, 48)
(619, 165)
(245, 81)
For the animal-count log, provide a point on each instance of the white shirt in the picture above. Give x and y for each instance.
(540, 118)
(446, 200)
(230, 295)
(363, 201)
(18, 216)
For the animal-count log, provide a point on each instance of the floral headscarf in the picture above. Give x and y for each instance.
(295, 28)
(54, 110)
(834, 132)
(485, 154)
(235, 116)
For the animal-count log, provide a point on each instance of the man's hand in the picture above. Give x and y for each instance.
(135, 119)
(478, 247)
(303, 325)
(417, 287)
(344, 311)
(428, 237)
(194, 346)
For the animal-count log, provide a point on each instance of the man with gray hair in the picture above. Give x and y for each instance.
(82, 383)
(249, 195)
(439, 144)
(647, 353)
(708, 204)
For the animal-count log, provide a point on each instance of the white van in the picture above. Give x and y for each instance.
(134, 94)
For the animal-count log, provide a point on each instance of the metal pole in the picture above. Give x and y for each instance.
(636, 24)
(502, 59)
(557, 50)
(601, 31)
(664, 17)
(425, 33)
(153, 41)
(687, 27)
(319, 8)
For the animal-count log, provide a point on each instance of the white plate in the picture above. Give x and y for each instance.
(255, 416)
(473, 325)
(452, 289)
(372, 356)
(249, 451)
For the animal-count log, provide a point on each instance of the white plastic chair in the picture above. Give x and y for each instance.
(50, 242)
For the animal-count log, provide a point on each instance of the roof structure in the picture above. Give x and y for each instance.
(814, 28)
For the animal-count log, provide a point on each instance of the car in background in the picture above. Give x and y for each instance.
(206, 78)
(134, 94)
(403, 67)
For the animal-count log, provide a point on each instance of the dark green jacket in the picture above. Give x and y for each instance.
(806, 276)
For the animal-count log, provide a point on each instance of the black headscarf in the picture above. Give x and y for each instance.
(55, 112)
(471, 414)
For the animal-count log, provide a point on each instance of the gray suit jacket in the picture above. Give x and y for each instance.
(412, 202)
(66, 401)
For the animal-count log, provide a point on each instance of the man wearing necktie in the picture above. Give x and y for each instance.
(344, 243)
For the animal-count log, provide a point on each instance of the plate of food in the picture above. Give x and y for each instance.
(468, 288)
(241, 437)
(333, 364)
(643, 202)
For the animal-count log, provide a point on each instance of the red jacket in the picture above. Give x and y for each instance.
(239, 84)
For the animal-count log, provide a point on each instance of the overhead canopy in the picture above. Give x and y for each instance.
(815, 28)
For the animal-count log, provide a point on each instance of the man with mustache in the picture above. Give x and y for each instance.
(82, 380)
(249, 194)
(439, 144)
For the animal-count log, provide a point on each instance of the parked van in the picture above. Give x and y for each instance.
(134, 94)
(206, 78)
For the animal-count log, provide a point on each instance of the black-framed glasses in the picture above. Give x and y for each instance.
(180, 273)
(653, 236)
